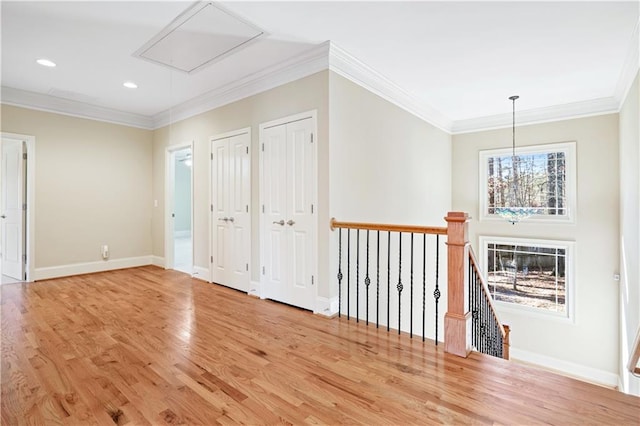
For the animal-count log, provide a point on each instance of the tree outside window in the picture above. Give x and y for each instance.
(540, 177)
(534, 274)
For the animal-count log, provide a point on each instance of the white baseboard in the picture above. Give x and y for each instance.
(90, 267)
(327, 307)
(255, 289)
(201, 273)
(157, 261)
(582, 372)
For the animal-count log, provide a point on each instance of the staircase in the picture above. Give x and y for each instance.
(388, 275)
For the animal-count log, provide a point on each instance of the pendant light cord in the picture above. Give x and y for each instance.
(513, 126)
(514, 185)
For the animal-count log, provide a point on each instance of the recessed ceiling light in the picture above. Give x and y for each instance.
(46, 63)
(130, 85)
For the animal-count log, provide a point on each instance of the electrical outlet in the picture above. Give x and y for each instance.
(105, 252)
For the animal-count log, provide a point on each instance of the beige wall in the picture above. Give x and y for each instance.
(592, 341)
(306, 94)
(92, 183)
(629, 232)
(386, 166)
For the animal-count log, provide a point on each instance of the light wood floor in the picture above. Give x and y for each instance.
(148, 346)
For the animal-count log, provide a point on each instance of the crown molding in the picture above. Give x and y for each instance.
(324, 56)
(539, 115)
(566, 111)
(630, 68)
(48, 103)
(330, 56)
(303, 65)
(346, 65)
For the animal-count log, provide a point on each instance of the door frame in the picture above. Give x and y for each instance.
(212, 139)
(30, 219)
(313, 114)
(169, 195)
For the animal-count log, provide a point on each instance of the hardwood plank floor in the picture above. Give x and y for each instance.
(148, 346)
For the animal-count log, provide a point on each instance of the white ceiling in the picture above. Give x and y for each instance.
(453, 63)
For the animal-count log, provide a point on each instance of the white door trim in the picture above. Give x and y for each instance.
(169, 177)
(30, 142)
(313, 114)
(212, 139)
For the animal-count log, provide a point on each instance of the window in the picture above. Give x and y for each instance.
(545, 176)
(530, 275)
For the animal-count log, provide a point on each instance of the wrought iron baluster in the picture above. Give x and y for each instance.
(388, 279)
(339, 272)
(494, 329)
(358, 275)
(436, 292)
(484, 324)
(470, 284)
(472, 302)
(424, 282)
(377, 279)
(500, 341)
(411, 291)
(487, 338)
(481, 336)
(399, 286)
(348, 273)
(476, 308)
(367, 280)
(492, 337)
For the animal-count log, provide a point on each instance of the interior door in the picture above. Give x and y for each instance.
(12, 217)
(288, 239)
(300, 219)
(231, 218)
(274, 175)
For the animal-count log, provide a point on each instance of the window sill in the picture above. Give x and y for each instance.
(525, 311)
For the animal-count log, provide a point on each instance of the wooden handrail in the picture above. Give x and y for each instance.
(439, 230)
(504, 330)
(635, 356)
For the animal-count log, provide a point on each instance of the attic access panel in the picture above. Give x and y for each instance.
(202, 34)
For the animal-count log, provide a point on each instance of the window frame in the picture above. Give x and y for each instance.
(569, 150)
(570, 278)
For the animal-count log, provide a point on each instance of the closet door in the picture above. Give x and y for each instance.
(288, 184)
(300, 220)
(231, 220)
(275, 246)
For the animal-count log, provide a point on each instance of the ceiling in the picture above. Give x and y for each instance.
(452, 63)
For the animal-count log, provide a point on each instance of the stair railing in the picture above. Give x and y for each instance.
(385, 271)
(488, 335)
(370, 258)
(471, 322)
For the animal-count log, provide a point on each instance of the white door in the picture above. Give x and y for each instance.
(289, 188)
(12, 216)
(231, 183)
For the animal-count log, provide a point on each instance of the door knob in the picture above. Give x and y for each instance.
(3, 217)
(231, 219)
(279, 222)
(290, 222)
(223, 218)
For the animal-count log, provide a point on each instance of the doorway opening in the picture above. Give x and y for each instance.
(16, 207)
(179, 209)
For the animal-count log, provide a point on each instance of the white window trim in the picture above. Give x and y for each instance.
(569, 148)
(570, 293)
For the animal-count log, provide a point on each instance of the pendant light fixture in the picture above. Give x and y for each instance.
(513, 212)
